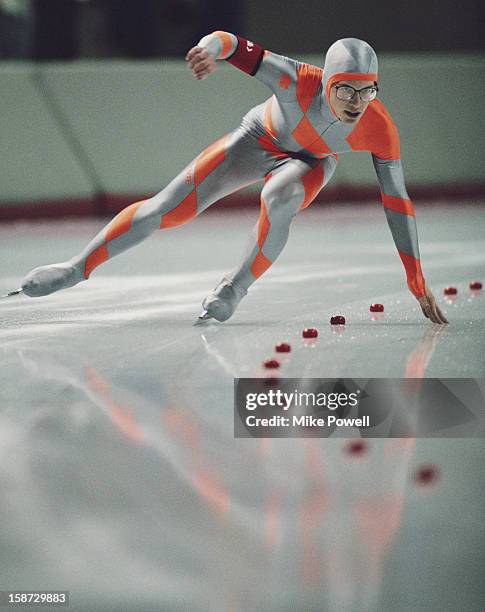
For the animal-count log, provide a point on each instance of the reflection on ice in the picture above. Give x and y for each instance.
(310, 528)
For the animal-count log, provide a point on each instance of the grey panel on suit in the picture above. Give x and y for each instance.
(391, 177)
(404, 232)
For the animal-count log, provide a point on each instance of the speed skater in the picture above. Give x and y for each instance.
(292, 141)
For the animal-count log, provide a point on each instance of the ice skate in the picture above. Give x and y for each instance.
(203, 317)
(12, 293)
(222, 302)
(48, 279)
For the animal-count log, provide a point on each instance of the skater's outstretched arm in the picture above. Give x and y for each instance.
(400, 214)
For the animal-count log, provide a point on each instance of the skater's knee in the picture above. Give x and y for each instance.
(283, 199)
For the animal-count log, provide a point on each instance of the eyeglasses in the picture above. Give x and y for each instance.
(346, 92)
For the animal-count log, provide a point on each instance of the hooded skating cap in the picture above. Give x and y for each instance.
(349, 59)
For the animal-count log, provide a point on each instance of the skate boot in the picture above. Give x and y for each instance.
(221, 303)
(47, 279)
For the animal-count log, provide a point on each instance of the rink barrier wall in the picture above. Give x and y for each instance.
(112, 204)
(86, 138)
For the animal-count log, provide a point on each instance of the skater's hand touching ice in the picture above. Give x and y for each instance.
(430, 308)
(201, 62)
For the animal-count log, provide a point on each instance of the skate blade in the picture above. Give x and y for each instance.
(11, 294)
(204, 317)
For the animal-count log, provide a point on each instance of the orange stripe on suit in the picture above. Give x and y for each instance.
(376, 132)
(414, 274)
(400, 205)
(96, 258)
(264, 224)
(226, 42)
(312, 183)
(308, 138)
(209, 159)
(185, 211)
(308, 81)
(260, 265)
(122, 222)
(268, 121)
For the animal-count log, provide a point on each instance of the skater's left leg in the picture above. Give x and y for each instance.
(233, 161)
(288, 189)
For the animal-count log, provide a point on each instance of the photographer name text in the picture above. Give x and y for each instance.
(306, 421)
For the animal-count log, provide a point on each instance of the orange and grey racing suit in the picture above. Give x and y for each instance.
(292, 141)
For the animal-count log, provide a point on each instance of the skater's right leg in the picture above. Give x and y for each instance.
(291, 187)
(227, 165)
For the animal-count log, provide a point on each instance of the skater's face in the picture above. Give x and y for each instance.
(346, 99)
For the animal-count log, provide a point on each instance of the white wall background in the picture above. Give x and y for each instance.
(139, 123)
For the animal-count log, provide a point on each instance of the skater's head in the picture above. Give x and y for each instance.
(350, 78)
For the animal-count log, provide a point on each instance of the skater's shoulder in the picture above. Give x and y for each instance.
(379, 112)
(309, 80)
(377, 132)
(309, 72)
(291, 79)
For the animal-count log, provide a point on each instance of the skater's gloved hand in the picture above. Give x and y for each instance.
(201, 62)
(430, 308)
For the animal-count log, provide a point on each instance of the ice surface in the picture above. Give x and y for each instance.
(121, 478)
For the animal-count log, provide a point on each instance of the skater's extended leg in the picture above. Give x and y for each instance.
(228, 164)
(288, 189)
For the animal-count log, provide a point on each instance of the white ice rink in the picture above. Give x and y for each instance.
(121, 479)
